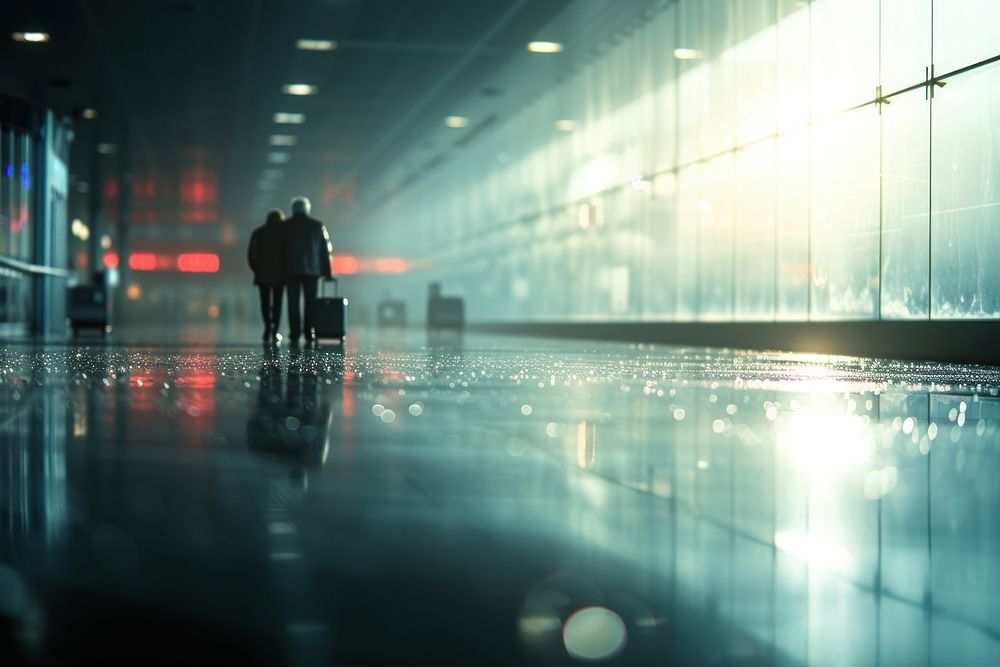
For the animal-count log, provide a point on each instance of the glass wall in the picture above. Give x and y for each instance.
(734, 160)
(16, 172)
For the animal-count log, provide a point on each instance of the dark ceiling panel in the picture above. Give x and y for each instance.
(175, 78)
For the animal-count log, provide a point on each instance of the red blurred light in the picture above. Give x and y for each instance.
(199, 215)
(197, 380)
(111, 260)
(391, 265)
(198, 262)
(142, 261)
(345, 265)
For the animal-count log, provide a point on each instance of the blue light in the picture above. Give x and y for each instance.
(25, 176)
(9, 171)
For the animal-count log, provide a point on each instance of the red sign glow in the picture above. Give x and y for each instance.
(198, 262)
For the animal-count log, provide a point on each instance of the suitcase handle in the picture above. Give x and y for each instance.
(331, 279)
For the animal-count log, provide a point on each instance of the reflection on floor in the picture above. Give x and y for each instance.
(494, 501)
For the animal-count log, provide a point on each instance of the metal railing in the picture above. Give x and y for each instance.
(33, 269)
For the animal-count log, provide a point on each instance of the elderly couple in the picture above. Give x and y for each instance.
(292, 254)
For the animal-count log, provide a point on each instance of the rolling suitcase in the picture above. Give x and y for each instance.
(445, 312)
(330, 313)
(88, 307)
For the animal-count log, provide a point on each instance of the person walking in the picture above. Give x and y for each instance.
(266, 260)
(308, 252)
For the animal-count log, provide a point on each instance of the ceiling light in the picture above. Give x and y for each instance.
(286, 118)
(105, 149)
(566, 125)
(89, 114)
(687, 54)
(316, 44)
(545, 47)
(267, 186)
(272, 174)
(283, 140)
(33, 37)
(277, 157)
(299, 89)
(456, 121)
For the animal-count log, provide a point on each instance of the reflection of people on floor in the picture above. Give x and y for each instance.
(292, 421)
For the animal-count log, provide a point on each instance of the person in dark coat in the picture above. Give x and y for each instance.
(308, 252)
(268, 264)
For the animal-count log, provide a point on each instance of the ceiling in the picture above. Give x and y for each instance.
(176, 81)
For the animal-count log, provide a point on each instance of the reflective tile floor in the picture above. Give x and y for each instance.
(494, 501)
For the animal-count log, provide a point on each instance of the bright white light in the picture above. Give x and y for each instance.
(595, 175)
(687, 54)
(32, 37)
(316, 44)
(277, 157)
(456, 121)
(566, 125)
(880, 482)
(283, 140)
(594, 633)
(286, 118)
(299, 89)
(106, 242)
(825, 444)
(90, 114)
(80, 229)
(815, 550)
(639, 183)
(545, 47)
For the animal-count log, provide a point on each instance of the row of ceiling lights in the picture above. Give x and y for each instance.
(270, 175)
(304, 89)
(458, 122)
(564, 124)
(454, 122)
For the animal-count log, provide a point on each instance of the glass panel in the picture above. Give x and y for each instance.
(965, 234)
(793, 63)
(906, 43)
(845, 215)
(755, 232)
(965, 32)
(687, 242)
(663, 254)
(715, 240)
(792, 209)
(755, 56)
(24, 176)
(719, 86)
(5, 189)
(844, 54)
(905, 206)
